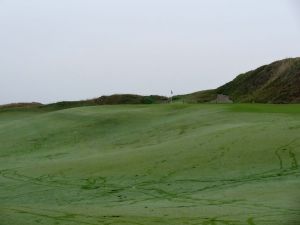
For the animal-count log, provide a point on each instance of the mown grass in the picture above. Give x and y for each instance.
(151, 164)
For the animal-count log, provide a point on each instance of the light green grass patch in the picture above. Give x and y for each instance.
(151, 164)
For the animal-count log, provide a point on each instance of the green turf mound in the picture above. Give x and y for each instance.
(151, 164)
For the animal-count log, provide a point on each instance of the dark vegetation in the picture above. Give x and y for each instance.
(130, 99)
(278, 82)
(20, 105)
(117, 99)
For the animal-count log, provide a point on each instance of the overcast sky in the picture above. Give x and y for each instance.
(53, 50)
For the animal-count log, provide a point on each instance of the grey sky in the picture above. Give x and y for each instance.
(53, 50)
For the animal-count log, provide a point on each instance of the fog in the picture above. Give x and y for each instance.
(54, 50)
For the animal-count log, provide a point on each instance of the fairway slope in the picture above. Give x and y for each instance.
(151, 164)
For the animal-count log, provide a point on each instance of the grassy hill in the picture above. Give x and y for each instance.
(117, 99)
(151, 164)
(20, 105)
(278, 82)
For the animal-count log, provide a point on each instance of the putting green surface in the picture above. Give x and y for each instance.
(156, 164)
